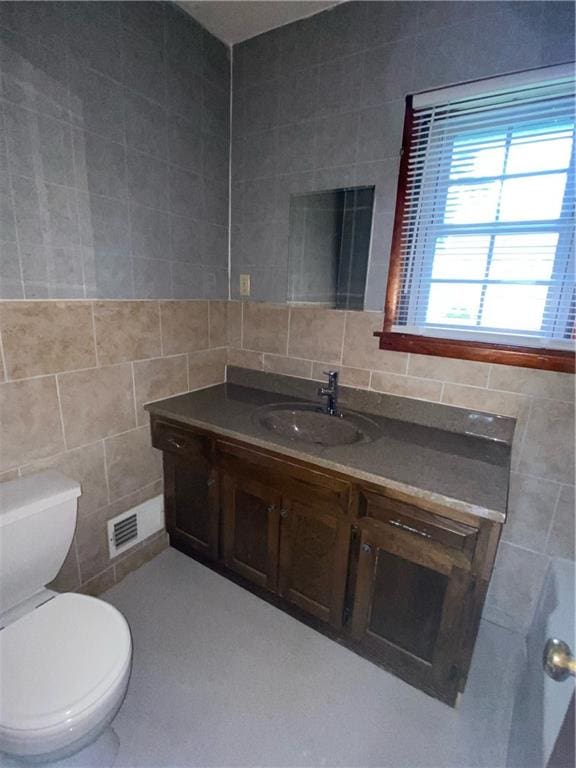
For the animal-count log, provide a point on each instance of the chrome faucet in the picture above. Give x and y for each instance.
(330, 393)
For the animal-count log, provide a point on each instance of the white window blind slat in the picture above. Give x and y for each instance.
(487, 232)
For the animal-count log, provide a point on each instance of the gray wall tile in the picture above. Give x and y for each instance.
(97, 103)
(90, 91)
(185, 144)
(100, 165)
(361, 60)
(186, 189)
(149, 233)
(144, 67)
(151, 278)
(146, 125)
(147, 180)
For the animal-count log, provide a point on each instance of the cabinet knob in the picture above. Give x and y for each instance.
(366, 548)
(283, 513)
(210, 482)
(271, 508)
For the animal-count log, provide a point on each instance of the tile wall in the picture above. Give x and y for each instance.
(305, 342)
(73, 378)
(114, 152)
(319, 104)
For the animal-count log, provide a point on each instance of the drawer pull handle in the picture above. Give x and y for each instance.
(271, 508)
(175, 443)
(409, 529)
(210, 482)
(283, 513)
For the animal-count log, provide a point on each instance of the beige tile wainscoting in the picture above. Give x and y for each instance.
(76, 374)
(305, 341)
(74, 377)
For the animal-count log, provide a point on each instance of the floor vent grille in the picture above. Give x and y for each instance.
(135, 525)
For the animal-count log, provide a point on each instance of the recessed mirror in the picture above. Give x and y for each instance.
(328, 247)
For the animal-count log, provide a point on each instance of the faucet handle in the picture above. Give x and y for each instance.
(331, 374)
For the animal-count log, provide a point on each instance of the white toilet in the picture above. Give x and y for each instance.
(64, 658)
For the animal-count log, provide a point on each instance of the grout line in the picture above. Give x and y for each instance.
(94, 334)
(341, 358)
(61, 412)
(288, 334)
(209, 325)
(134, 393)
(105, 456)
(3, 359)
(187, 371)
(241, 325)
(161, 329)
(552, 518)
(526, 426)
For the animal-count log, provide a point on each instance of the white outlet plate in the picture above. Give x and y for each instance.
(244, 285)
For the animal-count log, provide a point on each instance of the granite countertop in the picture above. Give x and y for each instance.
(448, 465)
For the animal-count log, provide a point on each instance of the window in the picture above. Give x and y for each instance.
(482, 260)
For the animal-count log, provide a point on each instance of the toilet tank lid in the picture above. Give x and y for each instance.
(31, 494)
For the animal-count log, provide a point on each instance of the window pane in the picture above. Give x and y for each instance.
(533, 198)
(524, 257)
(471, 203)
(460, 257)
(540, 149)
(478, 156)
(453, 304)
(516, 307)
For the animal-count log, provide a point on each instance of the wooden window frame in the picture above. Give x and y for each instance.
(526, 357)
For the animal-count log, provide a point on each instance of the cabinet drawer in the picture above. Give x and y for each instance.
(422, 525)
(327, 492)
(179, 440)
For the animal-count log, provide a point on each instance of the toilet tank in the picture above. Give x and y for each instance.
(37, 521)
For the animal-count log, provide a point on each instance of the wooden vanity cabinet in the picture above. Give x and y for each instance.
(402, 585)
(251, 529)
(191, 490)
(286, 529)
(414, 586)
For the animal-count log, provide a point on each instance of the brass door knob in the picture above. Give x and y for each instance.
(558, 660)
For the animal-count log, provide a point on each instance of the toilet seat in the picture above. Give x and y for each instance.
(63, 667)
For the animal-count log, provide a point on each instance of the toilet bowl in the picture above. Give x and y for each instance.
(65, 659)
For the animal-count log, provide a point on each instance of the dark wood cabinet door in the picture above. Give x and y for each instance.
(191, 502)
(251, 529)
(314, 559)
(409, 608)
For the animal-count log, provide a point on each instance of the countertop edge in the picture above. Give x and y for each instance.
(417, 493)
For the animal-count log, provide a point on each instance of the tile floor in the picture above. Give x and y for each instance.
(220, 678)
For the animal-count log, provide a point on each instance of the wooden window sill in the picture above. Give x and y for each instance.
(524, 357)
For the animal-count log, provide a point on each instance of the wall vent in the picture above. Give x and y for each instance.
(135, 525)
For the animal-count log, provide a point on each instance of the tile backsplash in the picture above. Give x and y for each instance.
(114, 152)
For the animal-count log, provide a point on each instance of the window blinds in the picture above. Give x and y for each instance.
(486, 244)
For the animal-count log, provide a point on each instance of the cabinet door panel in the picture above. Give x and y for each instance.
(407, 604)
(410, 615)
(251, 530)
(192, 503)
(313, 560)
